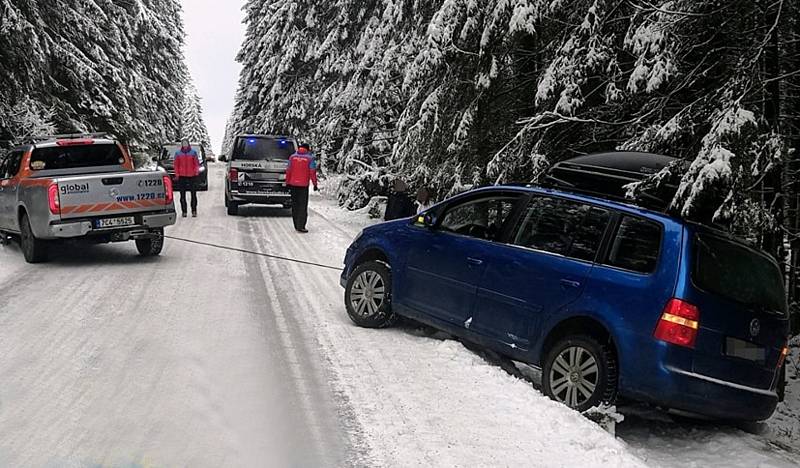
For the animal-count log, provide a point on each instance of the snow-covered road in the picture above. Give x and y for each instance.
(213, 357)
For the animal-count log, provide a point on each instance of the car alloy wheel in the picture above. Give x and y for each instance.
(367, 294)
(574, 376)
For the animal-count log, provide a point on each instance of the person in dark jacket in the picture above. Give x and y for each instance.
(399, 204)
(302, 170)
(187, 168)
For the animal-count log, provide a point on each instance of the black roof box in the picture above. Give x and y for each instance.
(605, 175)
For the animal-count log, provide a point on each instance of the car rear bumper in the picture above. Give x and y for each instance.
(662, 375)
(720, 399)
(85, 227)
(276, 198)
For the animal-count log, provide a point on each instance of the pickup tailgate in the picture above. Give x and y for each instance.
(112, 193)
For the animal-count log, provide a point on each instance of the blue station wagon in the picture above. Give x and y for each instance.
(608, 299)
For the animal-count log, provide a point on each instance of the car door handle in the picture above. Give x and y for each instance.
(474, 261)
(565, 283)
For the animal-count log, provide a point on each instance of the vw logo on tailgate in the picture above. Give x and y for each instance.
(755, 328)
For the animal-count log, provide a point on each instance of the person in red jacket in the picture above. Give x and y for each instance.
(187, 168)
(302, 170)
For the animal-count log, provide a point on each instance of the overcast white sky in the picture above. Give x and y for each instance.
(214, 35)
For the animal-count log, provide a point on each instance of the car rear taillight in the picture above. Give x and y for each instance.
(168, 190)
(782, 357)
(678, 323)
(53, 199)
(233, 175)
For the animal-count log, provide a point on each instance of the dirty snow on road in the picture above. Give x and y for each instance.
(213, 357)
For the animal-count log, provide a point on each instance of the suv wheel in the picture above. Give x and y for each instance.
(580, 372)
(35, 250)
(151, 247)
(368, 296)
(233, 208)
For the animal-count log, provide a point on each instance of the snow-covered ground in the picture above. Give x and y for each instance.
(213, 357)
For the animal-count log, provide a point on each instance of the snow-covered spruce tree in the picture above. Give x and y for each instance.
(193, 125)
(276, 87)
(102, 65)
(360, 109)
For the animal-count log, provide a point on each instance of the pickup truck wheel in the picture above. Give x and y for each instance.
(233, 208)
(34, 250)
(580, 372)
(368, 296)
(151, 247)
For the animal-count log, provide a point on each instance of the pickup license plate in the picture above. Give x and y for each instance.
(115, 222)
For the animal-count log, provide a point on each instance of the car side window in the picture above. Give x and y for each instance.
(13, 163)
(9, 164)
(563, 227)
(484, 218)
(636, 245)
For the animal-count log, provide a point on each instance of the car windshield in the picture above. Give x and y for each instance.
(263, 148)
(738, 273)
(75, 157)
(168, 151)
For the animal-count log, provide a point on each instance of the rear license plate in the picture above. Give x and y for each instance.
(741, 349)
(115, 222)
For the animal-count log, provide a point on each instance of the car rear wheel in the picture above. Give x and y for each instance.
(34, 250)
(580, 372)
(151, 247)
(368, 296)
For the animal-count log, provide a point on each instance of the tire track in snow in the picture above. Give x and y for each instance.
(312, 388)
(323, 300)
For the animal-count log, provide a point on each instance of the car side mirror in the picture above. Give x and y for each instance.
(428, 220)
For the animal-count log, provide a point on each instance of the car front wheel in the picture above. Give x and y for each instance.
(580, 372)
(368, 296)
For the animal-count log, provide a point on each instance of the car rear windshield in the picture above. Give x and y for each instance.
(259, 148)
(738, 273)
(76, 157)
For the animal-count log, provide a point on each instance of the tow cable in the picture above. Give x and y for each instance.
(253, 252)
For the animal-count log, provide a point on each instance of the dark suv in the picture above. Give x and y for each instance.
(257, 171)
(606, 298)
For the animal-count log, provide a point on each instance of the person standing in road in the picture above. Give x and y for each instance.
(187, 168)
(398, 204)
(423, 200)
(302, 170)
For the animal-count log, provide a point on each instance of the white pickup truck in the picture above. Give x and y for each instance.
(81, 187)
